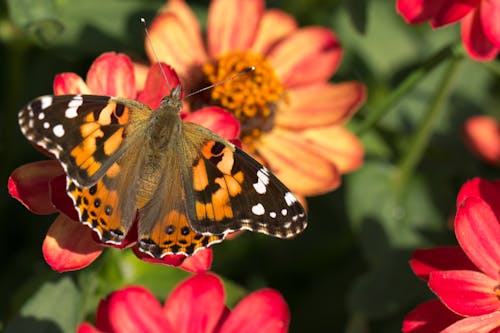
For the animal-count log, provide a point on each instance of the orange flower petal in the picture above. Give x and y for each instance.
(232, 25)
(487, 323)
(112, 74)
(337, 145)
(177, 44)
(69, 245)
(321, 105)
(69, 83)
(29, 184)
(297, 164)
(188, 19)
(477, 45)
(482, 135)
(274, 25)
(140, 73)
(306, 56)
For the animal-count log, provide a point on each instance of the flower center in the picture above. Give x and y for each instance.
(251, 97)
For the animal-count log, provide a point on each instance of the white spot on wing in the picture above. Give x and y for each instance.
(71, 112)
(260, 187)
(46, 101)
(272, 214)
(46, 125)
(41, 116)
(58, 130)
(290, 198)
(258, 209)
(284, 211)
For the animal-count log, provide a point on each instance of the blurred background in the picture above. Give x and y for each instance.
(349, 271)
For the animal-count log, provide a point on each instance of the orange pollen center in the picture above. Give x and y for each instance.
(251, 97)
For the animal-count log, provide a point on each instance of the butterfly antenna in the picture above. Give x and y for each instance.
(242, 72)
(143, 20)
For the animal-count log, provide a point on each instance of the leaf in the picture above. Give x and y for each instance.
(357, 10)
(53, 308)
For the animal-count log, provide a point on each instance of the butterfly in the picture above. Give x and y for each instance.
(187, 187)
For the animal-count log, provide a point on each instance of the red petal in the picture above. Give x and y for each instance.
(29, 184)
(170, 260)
(490, 16)
(478, 233)
(452, 11)
(425, 261)
(156, 87)
(430, 316)
(60, 198)
(132, 309)
(69, 83)
(418, 11)
(482, 135)
(309, 55)
(112, 74)
(198, 263)
(488, 323)
(468, 293)
(487, 190)
(196, 305)
(225, 31)
(263, 311)
(69, 246)
(274, 25)
(478, 46)
(216, 119)
(87, 328)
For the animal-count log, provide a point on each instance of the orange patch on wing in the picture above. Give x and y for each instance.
(113, 142)
(200, 179)
(113, 170)
(206, 150)
(226, 164)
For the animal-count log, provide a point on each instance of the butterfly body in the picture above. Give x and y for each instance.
(186, 187)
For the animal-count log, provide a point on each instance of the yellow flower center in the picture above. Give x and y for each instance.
(251, 97)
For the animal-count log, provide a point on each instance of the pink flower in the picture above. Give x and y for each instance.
(41, 186)
(482, 136)
(479, 18)
(291, 117)
(465, 278)
(196, 305)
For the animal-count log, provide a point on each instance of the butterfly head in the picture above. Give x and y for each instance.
(173, 101)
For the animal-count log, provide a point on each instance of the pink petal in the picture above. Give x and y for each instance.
(87, 328)
(29, 184)
(60, 198)
(452, 11)
(112, 74)
(263, 311)
(225, 31)
(487, 190)
(196, 305)
(132, 309)
(490, 16)
(425, 261)
(309, 55)
(477, 45)
(169, 260)
(337, 145)
(198, 263)
(70, 83)
(431, 316)
(290, 156)
(482, 135)
(156, 87)
(418, 11)
(321, 105)
(274, 25)
(217, 119)
(468, 293)
(140, 74)
(488, 323)
(69, 246)
(478, 233)
(177, 42)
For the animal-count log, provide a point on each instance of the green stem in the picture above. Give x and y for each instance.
(493, 66)
(410, 81)
(420, 139)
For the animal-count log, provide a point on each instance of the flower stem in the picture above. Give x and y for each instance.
(410, 81)
(420, 139)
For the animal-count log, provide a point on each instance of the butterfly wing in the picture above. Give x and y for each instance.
(227, 190)
(95, 138)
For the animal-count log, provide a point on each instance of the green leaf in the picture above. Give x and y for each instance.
(357, 10)
(54, 308)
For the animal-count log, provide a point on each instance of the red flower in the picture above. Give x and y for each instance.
(194, 306)
(40, 186)
(288, 111)
(480, 21)
(482, 135)
(466, 278)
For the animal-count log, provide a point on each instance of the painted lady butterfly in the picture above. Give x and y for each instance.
(187, 186)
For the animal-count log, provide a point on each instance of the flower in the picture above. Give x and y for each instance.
(465, 278)
(196, 305)
(482, 135)
(291, 117)
(41, 186)
(480, 29)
